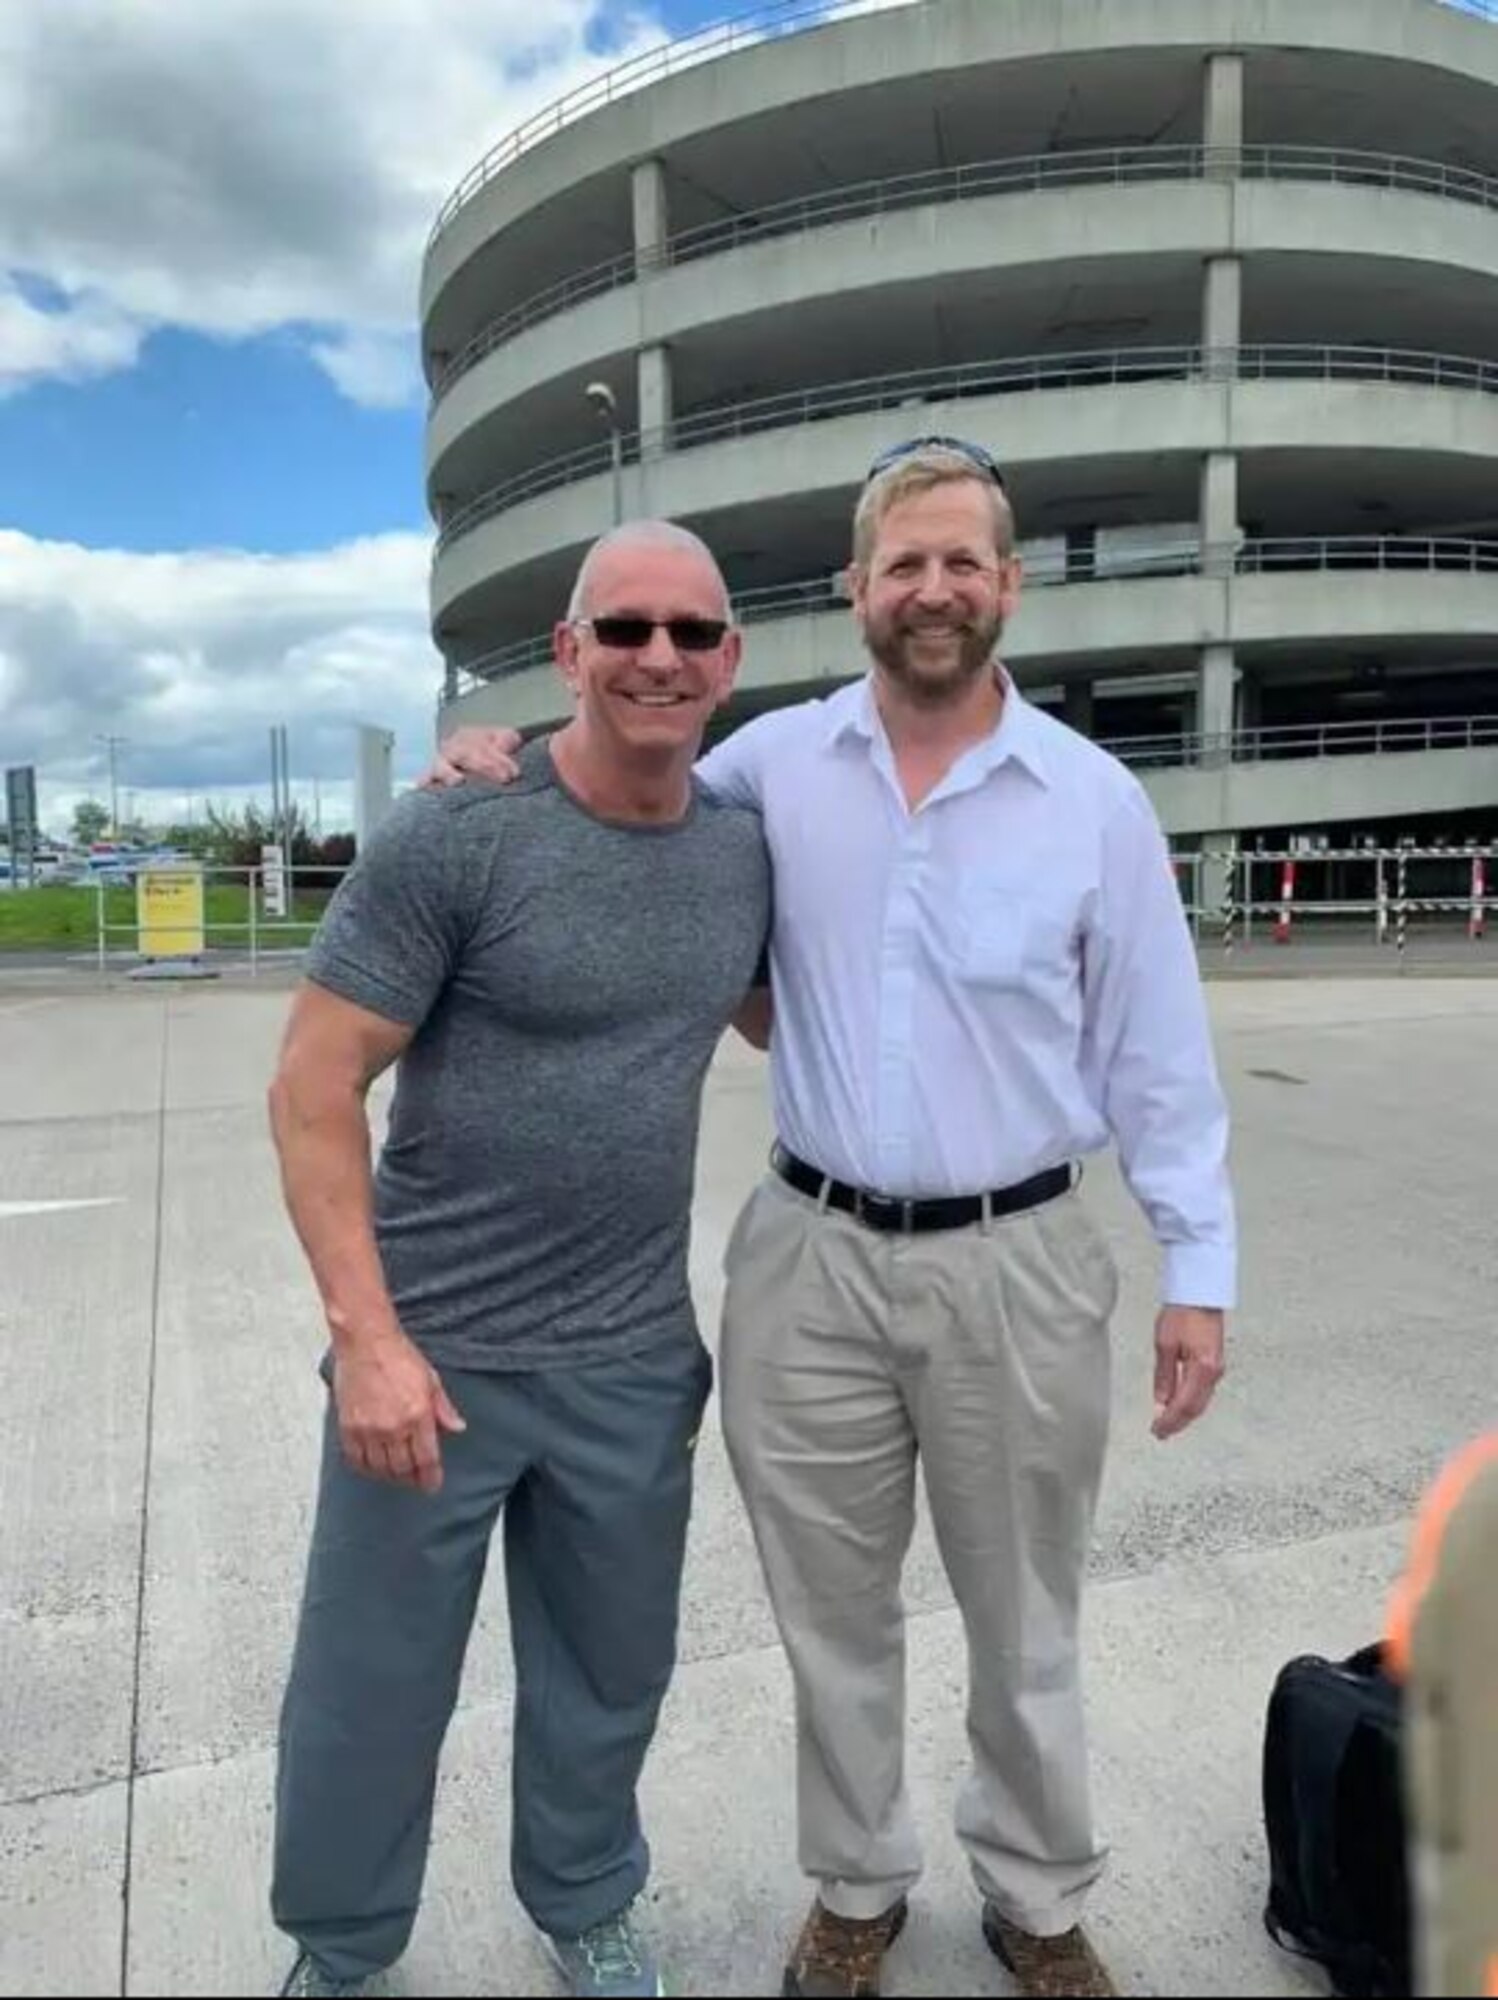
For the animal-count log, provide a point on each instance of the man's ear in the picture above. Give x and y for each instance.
(733, 653)
(855, 585)
(564, 651)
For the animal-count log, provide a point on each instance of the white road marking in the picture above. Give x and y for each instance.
(54, 1207)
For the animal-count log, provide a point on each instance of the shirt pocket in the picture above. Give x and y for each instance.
(1006, 938)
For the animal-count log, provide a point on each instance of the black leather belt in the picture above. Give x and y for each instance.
(893, 1213)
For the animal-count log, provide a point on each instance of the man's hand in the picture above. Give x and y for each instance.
(391, 1405)
(473, 752)
(1188, 1365)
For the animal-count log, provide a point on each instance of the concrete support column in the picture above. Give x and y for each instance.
(1222, 305)
(652, 232)
(1250, 701)
(1222, 137)
(1216, 700)
(652, 218)
(1222, 114)
(1223, 317)
(1218, 854)
(653, 379)
(1079, 706)
(1221, 337)
(1218, 518)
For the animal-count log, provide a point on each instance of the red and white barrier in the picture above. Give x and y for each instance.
(1478, 917)
(1287, 899)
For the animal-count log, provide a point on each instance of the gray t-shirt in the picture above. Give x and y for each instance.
(569, 978)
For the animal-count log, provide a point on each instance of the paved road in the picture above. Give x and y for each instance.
(158, 1411)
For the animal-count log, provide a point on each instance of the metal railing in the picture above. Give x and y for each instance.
(1405, 895)
(1369, 738)
(654, 65)
(1364, 552)
(1025, 174)
(1008, 374)
(253, 932)
(1074, 568)
(768, 22)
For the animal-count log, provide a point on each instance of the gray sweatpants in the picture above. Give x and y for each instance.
(593, 1470)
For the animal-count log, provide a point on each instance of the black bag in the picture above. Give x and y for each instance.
(1335, 1822)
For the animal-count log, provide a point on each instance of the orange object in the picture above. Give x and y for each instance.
(1430, 1527)
(1443, 1644)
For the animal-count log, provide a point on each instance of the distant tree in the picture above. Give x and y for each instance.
(188, 838)
(89, 821)
(234, 839)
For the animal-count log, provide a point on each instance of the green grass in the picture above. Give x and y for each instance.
(68, 918)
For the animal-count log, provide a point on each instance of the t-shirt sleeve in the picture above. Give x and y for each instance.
(395, 929)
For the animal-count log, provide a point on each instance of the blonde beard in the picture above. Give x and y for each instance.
(975, 658)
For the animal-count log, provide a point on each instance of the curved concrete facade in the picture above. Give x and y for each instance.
(919, 48)
(782, 258)
(1034, 236)
(1107, 624)
(1435, 430)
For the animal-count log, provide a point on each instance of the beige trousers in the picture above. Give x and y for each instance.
(846, 1355)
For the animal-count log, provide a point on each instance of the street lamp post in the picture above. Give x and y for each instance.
(606, 403)
(114, 744)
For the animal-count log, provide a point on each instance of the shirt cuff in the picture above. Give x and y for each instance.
(1200, 1274)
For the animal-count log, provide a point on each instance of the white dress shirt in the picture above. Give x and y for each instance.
(995, 983)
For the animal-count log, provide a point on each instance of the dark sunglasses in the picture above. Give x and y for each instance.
(628, 633)
(975, 455)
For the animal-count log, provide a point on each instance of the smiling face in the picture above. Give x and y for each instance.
(934, 594)
(657, 695)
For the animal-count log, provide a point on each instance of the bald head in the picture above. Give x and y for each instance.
(611, 553)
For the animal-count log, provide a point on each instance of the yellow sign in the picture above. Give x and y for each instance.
(169, 911)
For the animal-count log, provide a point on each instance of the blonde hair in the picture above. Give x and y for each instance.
(922, 472)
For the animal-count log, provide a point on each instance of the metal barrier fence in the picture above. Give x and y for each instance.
(1233, 901)
(251, 933)
(1029, 173)
(769, 22)
(1386, 896)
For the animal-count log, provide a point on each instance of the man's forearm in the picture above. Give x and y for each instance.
(322, 1137)
(755, 1017)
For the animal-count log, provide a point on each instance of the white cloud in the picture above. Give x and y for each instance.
(380, 370)
(192, 657)
(252, 164)
(71, 343)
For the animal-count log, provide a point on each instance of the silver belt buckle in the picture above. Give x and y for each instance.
(894, 1211)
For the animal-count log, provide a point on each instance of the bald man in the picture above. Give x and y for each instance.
(549, 966)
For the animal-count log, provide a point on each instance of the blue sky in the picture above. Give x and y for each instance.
(210, 420)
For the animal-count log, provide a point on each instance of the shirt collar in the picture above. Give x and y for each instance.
(852, 711)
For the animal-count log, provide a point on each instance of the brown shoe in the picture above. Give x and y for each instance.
(1045, 1968)
(841, 1955)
